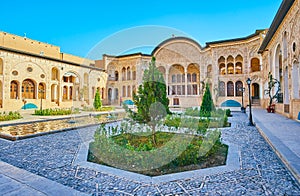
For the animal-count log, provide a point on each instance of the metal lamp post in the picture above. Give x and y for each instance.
(243, 109)
(250, 109)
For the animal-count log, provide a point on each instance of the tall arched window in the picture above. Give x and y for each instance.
(116, 75)
(178, 78)
(194, 77)
(189, 79)
(239, 64)
(71, 93)
(102, 93)
(209, 71)
(173, 78)
(1, 94)
(65, 92)
(28, 89)
(1, 66)
(14, 90)
(124, 91)
(54, 74)
(222, 89)
(128, 73)
(222, 66)
(124, 74)
(230, 65)
(42, 91)
(117, 93)
(255, 65)
(128, 91)
(239, 89)
(134, 75)
(230, 89)
(230, 68)
(86, 79)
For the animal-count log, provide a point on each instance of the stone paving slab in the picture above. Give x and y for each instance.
(260, 171)
(283, 135)
(15, 181)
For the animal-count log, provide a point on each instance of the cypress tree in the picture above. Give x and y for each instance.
(97, 100)
(207, 105)
(151, 100)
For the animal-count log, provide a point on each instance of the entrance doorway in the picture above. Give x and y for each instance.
(255, 91)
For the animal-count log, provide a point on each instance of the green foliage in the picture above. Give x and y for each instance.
(101, 109)
(10, 116)
(207, 105)
(54, 112)
(126, 149)
(228, 112)
(151, 92)
(273, 82)
(192, 112)
(97, 100)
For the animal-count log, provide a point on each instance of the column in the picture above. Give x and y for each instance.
(167, 81)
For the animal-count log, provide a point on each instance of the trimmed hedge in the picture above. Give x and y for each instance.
(10, 116)
(55, 112)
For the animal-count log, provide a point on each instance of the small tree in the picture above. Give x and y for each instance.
(207, 105)
(97, 100)
(269, 91)
(151, 100)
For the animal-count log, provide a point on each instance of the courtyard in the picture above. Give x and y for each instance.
(51, 160)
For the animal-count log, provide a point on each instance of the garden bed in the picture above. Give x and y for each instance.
(131, 152)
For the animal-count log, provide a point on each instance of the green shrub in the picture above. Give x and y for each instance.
(228, 112)
(97, 100)
(55, 112)
(10, 116)
(179, 150)
(101, 109)
(207, 105)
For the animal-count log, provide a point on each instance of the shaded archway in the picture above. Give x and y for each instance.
(255, 91)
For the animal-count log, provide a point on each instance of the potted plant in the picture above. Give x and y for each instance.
(273, 94)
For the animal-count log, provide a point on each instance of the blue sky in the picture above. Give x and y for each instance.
(78, 26)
